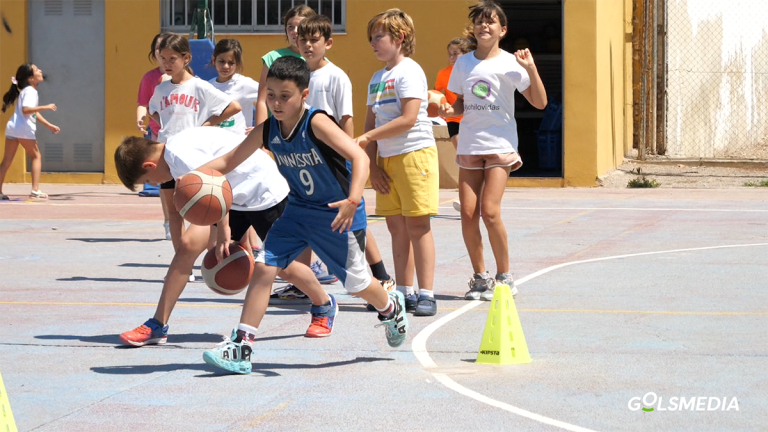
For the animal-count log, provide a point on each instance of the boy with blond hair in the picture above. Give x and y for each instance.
(403, 155)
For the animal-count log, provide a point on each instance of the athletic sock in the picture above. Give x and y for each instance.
(411, 290)
(403, 289)
(426, 293)
(388, 311)
(246, 333)
(379, 271)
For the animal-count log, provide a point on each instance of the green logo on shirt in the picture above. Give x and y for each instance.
(227, 123)
(481, 89)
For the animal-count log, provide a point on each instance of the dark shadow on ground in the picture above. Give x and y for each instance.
(114, 339)
(263, 369)
(115, 240)
(83, 278)
(447, 297)
(143, 265)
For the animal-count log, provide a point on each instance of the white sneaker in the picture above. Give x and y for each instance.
(457, 206)
(191, 277)
(167, 226)
(507, 279)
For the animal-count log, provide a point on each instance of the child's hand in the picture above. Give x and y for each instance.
(141, 126)
(362, 140)
(248, 130)
(445, 110)
(55, 129)
(346, 215)
(524, 58)
(50, 107)
(379, 180)
(222, 250)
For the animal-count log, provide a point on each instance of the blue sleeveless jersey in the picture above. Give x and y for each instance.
(316, 173)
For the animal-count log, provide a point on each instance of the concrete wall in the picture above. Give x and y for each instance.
(597, 124)
(717, 78)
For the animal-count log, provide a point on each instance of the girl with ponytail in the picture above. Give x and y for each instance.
(22, 126)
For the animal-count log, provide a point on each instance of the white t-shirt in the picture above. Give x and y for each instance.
(488, 87)
(386, 89)
(184, 106)
(246, 92)
(256, 183)
(331, 91)
(20, 125)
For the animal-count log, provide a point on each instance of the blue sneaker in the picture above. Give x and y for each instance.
(233, 355)
(427, 306)
(396, 327)
(151, 332)
(411, 301)
(323, 318)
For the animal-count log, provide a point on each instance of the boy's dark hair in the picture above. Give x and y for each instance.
(290, 68)
(485, 9)
(461, 43)
(314, 25)
(179, 44)
(23, 73)
(230, 45)
(301, 10)
(129, 158)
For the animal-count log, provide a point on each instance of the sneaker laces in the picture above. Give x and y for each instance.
(317, 267)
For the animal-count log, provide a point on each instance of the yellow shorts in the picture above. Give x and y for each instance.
(415, 184)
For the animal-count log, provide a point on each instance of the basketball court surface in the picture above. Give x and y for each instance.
(629, 299)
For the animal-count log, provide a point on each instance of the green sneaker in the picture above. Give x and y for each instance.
(397, 326)
(233, 355)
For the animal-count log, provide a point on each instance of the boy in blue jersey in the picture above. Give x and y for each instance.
(327, 172)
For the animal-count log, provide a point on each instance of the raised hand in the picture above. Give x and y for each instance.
(524, 58)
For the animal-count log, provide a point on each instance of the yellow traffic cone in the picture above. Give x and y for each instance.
(503, 339)
(6, 416)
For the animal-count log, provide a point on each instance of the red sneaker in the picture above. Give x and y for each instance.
(149, 333)
(322, 322)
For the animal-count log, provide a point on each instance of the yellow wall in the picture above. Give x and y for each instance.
(130, 27)
(597, 72)
(13, 52)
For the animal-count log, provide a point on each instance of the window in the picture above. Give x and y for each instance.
(247, 16)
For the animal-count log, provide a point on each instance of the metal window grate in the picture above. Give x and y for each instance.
(83, 153)
(54, 152)
(247, 16)
(54, 7)
(83, 7)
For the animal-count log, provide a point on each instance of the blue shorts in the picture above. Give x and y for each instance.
(343, 254)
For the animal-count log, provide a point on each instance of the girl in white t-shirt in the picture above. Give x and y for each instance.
(22, 126)
(228, 60)
(484, 82)
(184, 102)
(404, 167)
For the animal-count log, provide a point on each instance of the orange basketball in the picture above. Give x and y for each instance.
(232, 275)
(203, 198)
(434, 100)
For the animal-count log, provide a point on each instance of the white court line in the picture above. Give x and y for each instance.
(730, 210)
(419, 344)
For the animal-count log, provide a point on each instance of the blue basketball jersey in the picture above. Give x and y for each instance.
(316, 173)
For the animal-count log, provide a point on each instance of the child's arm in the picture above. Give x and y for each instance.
(326, 131)
(223, 237)
(348, 126)
(141, 112)
(32, 110)
(52, 127)
(226, 163)
(261, 103)
(379, 179)
(535, 94)
(410, 109)
(231, 109)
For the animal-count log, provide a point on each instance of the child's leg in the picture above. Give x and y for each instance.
(174, 218)
(11, 144)
(373, 257)
(402, 254)
(257, 297)
(191, 245)
(493, 191)
(420, 233)
(302, 277)
(30, 146)
(470, 187)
